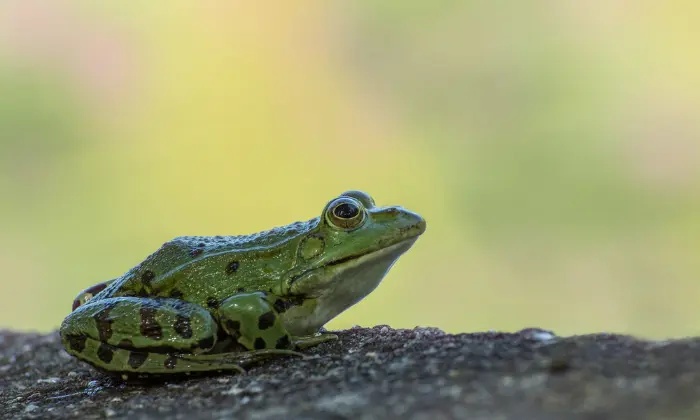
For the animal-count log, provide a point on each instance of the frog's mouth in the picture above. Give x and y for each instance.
(331, 289)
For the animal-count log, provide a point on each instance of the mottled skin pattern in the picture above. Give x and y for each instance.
(212, 303)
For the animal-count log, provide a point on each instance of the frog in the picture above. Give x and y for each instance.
(202, 304)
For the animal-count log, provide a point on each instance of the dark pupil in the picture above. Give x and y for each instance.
(346, 211)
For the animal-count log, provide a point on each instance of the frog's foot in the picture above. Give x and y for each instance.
(145, 364)
(227, 361)
(268, 353)
(246, 357)
(306, 341)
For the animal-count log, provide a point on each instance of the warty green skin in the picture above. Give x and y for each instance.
(202, 304)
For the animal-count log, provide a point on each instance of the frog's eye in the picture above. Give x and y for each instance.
(345, 213)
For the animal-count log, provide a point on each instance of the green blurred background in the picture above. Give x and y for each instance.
(552, 146)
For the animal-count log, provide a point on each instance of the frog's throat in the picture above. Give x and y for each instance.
(344, 285)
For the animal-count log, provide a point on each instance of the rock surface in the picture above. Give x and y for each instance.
(380, 373)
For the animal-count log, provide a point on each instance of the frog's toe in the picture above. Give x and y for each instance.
(276, 352)
(306, 341)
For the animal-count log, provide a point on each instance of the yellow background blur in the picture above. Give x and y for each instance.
(552, 146)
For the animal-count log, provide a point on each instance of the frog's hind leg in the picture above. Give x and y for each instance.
(150, 365)
(143, 364)
(252, 320)
(141, 335)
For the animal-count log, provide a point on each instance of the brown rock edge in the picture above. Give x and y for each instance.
(380, 373)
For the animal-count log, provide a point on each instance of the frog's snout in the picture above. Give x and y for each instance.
(412, 224)
(421, 226)
(417, 222)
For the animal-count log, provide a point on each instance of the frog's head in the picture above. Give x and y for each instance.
(345, 258)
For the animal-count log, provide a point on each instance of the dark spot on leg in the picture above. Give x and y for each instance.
(213, 303)
(205, 343)
(149, 326)
(77, 342)
(233, 327)
(136, 359)
(281, 305)
(92, 291)
(182, 326)
(170, 362)
(176, 294)
(260, 343)
(104, 324)
(126, 344)
(105, 353)
(195, 252)
(240, 289)
(283, 342)
(232, 267)
(147, 277)
(266, 320)
(97, 288)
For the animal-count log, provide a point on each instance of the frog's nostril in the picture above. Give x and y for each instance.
(393, 210)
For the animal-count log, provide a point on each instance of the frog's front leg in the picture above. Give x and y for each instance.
(252, 320)
(144, 336)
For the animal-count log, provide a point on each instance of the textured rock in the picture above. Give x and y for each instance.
(380, 373)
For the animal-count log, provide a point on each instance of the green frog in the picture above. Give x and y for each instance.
(201, 303)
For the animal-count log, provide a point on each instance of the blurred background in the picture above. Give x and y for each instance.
(552, 146)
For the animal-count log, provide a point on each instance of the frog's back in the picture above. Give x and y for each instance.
(176, 254)
(214, 244)
(194, 246)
